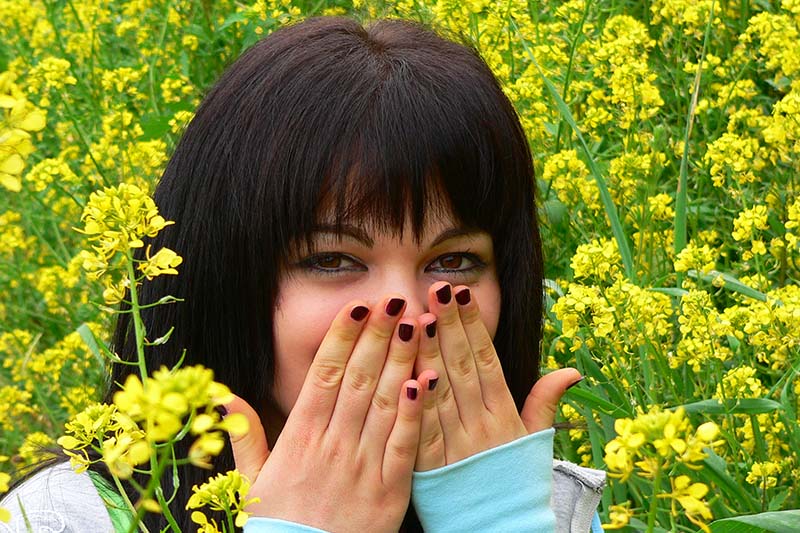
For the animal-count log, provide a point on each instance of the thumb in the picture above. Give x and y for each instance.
(539, 410)
(250, 450)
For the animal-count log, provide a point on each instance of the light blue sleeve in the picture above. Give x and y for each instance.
(505, 489)
(259, 524)
(597, 527)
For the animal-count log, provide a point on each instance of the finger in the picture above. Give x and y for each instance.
(456, 352)
(430, 357)
(494, 391)
(431, 449)
(364, 368)
(397, 369)
(250, 451)
(539, 410)
(317, 397)
(401, 448)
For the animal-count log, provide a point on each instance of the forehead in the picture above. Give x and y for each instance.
(418, 220)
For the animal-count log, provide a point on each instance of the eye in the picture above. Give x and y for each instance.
(330, 263)
(457, 263)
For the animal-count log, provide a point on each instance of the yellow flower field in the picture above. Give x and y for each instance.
(666, 141)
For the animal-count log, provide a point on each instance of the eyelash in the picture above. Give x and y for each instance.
(311, 263)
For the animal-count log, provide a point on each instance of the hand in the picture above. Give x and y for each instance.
(344, 459)
(472, 409)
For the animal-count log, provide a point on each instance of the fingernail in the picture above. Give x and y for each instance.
(405, 331)
(430, 329)
(462, 297)
(411, 392)
(582, 377)
(394, 306)
(444, 294)
(432, 383)
(359, 312)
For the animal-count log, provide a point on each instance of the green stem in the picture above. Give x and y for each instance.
(229, 516)
(158, 465)
(681, 201)
(124, 494)
(651, 515)
(568, 75)
(138, 325)
(165, 509)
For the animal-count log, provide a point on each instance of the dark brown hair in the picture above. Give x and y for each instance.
(380, 121)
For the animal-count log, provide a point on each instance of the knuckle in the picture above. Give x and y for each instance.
(446, 398)
(447, 320)
(381, 332)
(359, 380)
(471, 317)
(346, 334)
(463, 366)
(383, 403)
(404, 451)
(327, 374)
(486, 356)
(432, 443)
(399, 355)
(429, 352)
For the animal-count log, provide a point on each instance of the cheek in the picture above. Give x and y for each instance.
(488, 298)
(300, 322)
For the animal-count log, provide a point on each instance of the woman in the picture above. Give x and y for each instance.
(355, 208)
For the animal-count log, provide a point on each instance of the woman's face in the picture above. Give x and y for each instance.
(360, 263)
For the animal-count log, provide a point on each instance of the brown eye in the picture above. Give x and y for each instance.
(451, 261)
(329, 261)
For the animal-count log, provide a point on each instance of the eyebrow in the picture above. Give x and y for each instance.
(360, 235)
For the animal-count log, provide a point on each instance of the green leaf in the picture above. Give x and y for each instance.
(155, 126)
(716, 470)
(731, 283)
(87, 335)
(671, 291)
(775, 522)
(233, 19)
(748, 406)
(596, 403)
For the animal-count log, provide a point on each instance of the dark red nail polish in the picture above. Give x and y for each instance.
(577, 382)
(394, 306)
(444, 295)
(432, 383)
(405, 331)
(411, 392)
(463, 297)
(430, 329)
(359, 312)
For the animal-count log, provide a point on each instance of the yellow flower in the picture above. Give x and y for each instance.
(694, 258)
(598, 259)
(620, 516)
(116, 219)
(164, 262)
(690, 496)
(748, 222)
(764, 475)
(164, 403)
(225, 492)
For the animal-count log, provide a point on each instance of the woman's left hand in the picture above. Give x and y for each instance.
(473, 410)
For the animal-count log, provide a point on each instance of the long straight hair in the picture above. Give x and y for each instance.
(380, 122)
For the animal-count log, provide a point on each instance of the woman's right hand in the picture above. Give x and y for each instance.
(344, 459)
